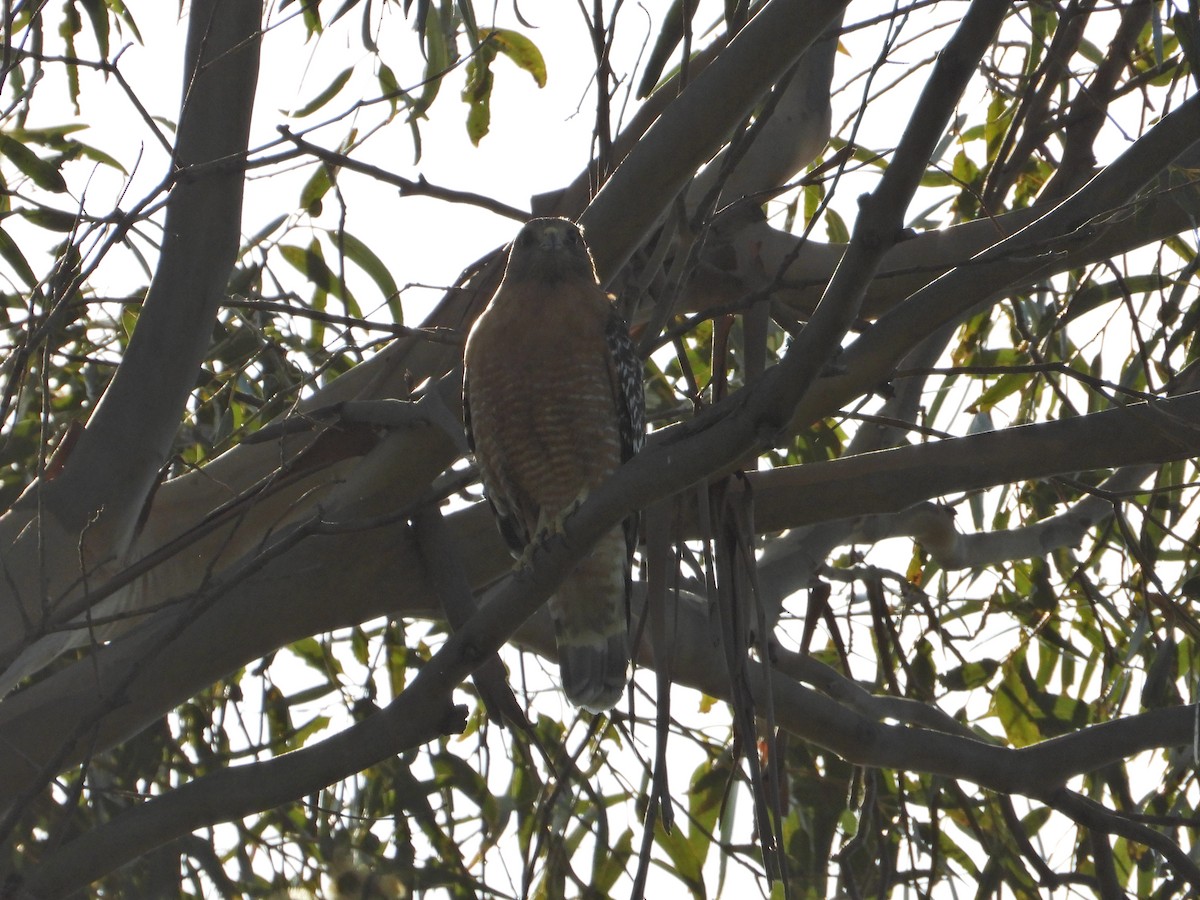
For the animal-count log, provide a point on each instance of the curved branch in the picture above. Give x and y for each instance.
(62, 531)
(745, 252)
(128, 438)
(880, 220)
(696, 124)
(934, 527)
(892, 480)
(287, 599)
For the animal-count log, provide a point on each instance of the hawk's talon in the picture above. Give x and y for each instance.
(548, 528)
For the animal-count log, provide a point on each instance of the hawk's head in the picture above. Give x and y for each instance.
(549, 250)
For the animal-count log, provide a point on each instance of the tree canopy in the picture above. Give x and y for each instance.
(916, 290)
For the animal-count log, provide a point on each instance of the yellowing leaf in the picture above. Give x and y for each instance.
(478, 93)
(520, 49)
(1013, 706)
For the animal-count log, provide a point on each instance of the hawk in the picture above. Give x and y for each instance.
(553, 403)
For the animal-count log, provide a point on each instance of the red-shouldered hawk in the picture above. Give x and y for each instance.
(554, 404)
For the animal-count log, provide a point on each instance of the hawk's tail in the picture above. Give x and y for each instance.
(591, 622)
(594, 674)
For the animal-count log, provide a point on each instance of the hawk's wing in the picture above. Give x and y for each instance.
(512, 529)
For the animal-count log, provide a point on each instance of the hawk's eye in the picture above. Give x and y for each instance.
(526, 238)
(572, 237)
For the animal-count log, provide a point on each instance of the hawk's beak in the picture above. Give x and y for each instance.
(554, 239)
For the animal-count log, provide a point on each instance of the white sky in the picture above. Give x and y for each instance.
(539, 140)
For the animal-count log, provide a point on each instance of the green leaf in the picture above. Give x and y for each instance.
(1012, 705)
(313, 726)
(964, 169)
(478, 93)
(684, 863)
(454, 771)
(51, 136)
(360, 646)
(312, 18)
(390, 87)
(521, 50)
(478, 90)
(55, 137)
(479, 119)
(68, 28)
(50, 219)
(310, 262)
(612, 864)
(363, 257)
(317, 655)
(836, 228)
(314, 190)
(278, 715)
(122, 12)
(970, 676)
(814, 194)
(1005, 386)
(998, 120)
(40, 172)
(706, 796)
(331, 90)
(343, 9)
(466, 12)
(439, 54)
(12, 255)
(98, 12)
(262, 234)
(97, 155)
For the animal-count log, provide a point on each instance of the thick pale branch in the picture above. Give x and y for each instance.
(745, 252)
(691, 117)
(892, 480)
(127, 440)
(934, 527)
(697, 123)
(215, 623)
(177, 502)
(880, 219)
(66, 531)
(843, 717)
(817, 718)
(783, 144)
(232, 793)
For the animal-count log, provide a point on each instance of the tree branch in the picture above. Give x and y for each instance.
(60, 531)
(934, 527)
(128, 438)
(407, 187)
(1103, 204)
(288, 598)
(422, 712)
(239, 791)
(741, 251)
(691, 130)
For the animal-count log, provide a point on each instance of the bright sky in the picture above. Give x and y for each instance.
(539, 140)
